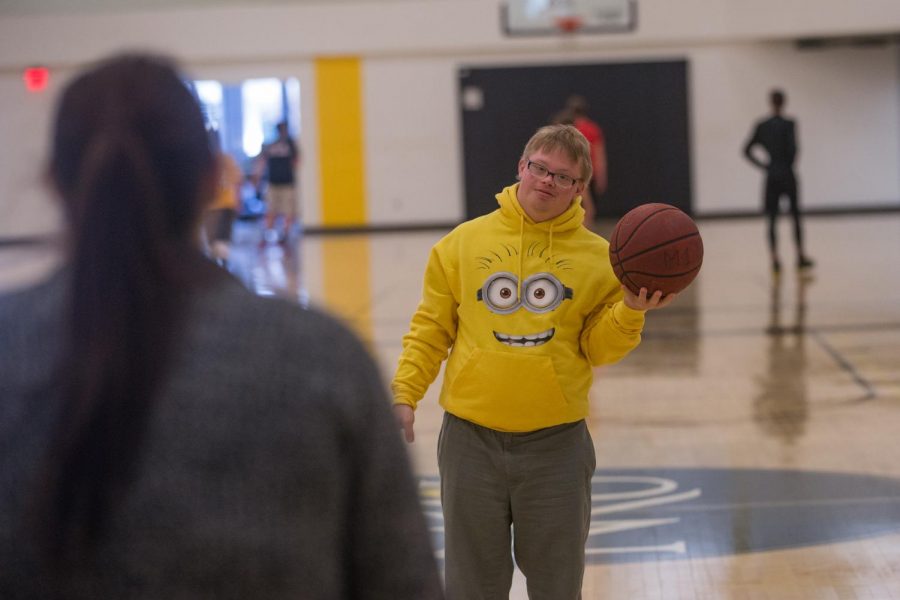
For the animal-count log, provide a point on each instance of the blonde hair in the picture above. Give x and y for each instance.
(563, 138)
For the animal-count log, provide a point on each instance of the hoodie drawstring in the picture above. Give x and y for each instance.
(521, 251)
(551, 245)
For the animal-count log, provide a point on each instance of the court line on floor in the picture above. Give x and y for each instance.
(846, 365)
(649, 333)
(780, 504)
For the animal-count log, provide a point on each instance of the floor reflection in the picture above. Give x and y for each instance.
(781, 406)
(267, 267)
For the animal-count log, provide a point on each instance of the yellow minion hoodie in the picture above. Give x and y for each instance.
(527, 309)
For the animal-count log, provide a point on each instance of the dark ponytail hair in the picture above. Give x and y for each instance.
(132, 165)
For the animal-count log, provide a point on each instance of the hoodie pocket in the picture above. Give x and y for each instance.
(508, 391)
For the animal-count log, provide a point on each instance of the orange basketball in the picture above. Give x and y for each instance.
(656, 246)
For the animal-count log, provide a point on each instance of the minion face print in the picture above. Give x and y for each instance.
(531, 298)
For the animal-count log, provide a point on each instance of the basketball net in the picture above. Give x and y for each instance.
(569, 23)
(565, 16)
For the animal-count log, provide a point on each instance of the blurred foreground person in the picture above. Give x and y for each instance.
(164, 433)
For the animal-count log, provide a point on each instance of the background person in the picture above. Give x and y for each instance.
(577, 107)
(777, 135)
(218, 218)
(280, 160)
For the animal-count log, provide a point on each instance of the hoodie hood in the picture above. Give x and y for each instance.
(512, 212)
(514, 216)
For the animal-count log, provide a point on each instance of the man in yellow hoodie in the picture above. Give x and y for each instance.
(525, 301)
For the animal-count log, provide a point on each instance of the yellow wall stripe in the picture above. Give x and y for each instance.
(346, 268)
(340, 130)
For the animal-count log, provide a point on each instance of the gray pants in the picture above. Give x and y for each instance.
(537, 483)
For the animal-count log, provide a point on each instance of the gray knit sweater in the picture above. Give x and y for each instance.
(272, 467)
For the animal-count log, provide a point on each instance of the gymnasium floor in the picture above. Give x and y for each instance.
(748, 449)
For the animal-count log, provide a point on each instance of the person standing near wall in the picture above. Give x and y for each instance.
(525, 301)
(777, 136)
(280, 160)
(577, 107)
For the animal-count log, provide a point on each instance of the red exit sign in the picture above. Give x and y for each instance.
(36, 78)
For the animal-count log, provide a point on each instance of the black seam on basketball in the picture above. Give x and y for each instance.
(633, 284)
(638, 226)
(617, 252)
(688, 272)
(619, 264)
(666, 243)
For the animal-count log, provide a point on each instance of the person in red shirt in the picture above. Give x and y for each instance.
(576, 107)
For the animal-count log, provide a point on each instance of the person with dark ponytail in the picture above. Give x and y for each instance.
(164, 433)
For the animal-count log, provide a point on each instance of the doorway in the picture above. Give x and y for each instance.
(642, 108)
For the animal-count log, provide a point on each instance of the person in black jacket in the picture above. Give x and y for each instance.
(778, 137)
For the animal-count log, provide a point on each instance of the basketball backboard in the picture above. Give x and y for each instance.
(553, 17)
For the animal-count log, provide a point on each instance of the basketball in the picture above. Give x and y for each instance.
(656, 246)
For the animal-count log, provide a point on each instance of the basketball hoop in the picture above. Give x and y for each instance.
(567, 17)
(569, 23)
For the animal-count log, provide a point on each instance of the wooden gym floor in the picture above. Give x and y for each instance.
(748, 449)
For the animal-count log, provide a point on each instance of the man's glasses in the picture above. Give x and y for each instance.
(540, 171)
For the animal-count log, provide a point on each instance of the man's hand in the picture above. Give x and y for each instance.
(642, 302)
(406, 416)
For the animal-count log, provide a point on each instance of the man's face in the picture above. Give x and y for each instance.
(542, 198)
